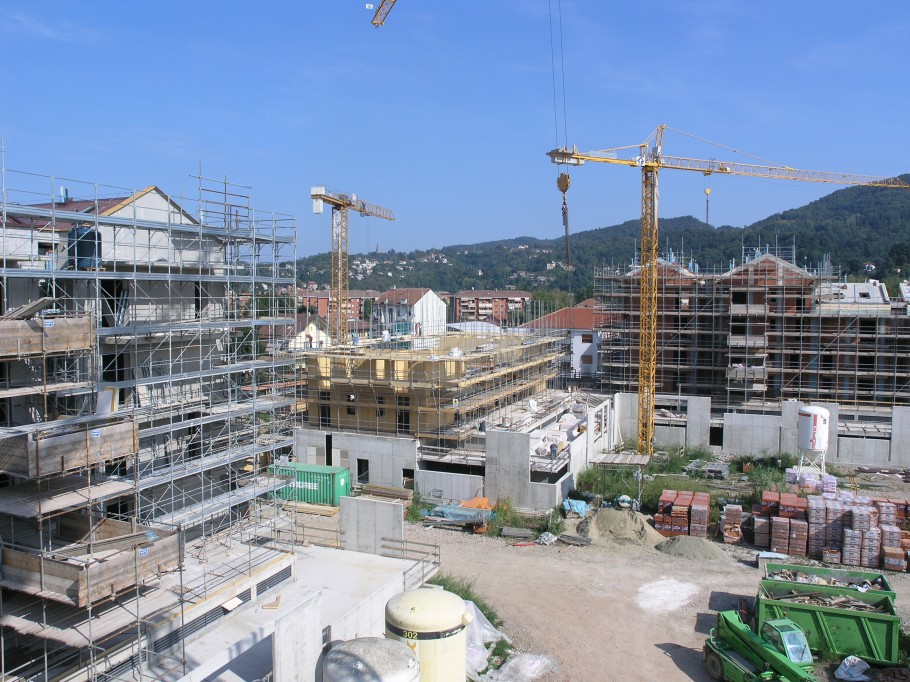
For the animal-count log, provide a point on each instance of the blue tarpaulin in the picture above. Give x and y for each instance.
(580, 507)
(456, 513)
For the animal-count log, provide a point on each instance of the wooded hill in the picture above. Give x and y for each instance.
(855, 226)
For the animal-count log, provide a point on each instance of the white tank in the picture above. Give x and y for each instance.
(432, 623)
(813, 429)
(370, 659)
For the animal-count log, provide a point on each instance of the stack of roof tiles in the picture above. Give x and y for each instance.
(837, 528)
(682, 513)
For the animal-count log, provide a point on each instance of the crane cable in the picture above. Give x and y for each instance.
(563, 180)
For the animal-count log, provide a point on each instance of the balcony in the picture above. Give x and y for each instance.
(746, 373)
(740, 341)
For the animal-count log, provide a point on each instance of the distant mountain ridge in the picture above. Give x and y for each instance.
(855, 226)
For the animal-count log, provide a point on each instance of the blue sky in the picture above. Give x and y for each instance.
(445, 114)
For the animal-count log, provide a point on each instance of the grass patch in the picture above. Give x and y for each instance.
(465, 589)
(414, 509)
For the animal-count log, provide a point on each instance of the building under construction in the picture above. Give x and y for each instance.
(461, 411)
(760, 333)
(142, 399)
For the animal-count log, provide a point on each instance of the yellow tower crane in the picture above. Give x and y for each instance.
(339, 303)
(382, 12)
(651, 159)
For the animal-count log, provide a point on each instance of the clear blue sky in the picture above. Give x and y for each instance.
(444, 115)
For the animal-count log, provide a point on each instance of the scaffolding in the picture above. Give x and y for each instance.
(759, 333)
(144, 379)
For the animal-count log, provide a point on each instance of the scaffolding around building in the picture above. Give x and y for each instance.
(759, 333)
(143, 394)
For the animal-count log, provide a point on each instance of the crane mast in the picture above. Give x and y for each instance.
(651, 160)
(339, 299)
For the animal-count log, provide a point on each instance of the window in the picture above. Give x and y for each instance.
(380, 409)
(587, 360)
(352, 409)
(404, 401)
(587, 338)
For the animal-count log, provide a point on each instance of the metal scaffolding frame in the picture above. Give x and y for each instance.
(140, 406)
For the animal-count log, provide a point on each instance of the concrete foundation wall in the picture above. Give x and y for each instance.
(751, 434)
(851, 450)
(670, 436)
(365, 522)
(453, 486)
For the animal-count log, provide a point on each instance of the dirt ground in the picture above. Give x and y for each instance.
(607, 611)
(614, 611)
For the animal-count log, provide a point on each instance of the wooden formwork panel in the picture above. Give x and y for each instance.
(48, 452)
(20, 338)
(78, 582)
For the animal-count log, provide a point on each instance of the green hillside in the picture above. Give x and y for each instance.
(854, 226)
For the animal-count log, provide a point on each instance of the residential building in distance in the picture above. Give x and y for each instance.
(317, 302)
(408, 311)
(489, 305)
(579, 363)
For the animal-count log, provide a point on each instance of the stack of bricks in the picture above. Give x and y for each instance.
(733, 522)
(682, 513)
(780, 534)
(837, 528)
(698, 515)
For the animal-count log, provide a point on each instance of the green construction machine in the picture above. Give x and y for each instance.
(779, 652)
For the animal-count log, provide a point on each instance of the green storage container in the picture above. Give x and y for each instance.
(313, 483)
(841, 631)
(844, 575)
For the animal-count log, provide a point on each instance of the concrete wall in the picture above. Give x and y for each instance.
(508, 467)
(698, 418)
(309, 446)
(387, 456)
(365, 522)
(857, 451)
(899, 454)
(751, 434)
(297, 642)
(626, 417)
(453, 486)
(669, 436)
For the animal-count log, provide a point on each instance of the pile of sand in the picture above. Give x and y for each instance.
(688, 547)
(619, 525)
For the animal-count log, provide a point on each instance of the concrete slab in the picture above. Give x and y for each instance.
(348, 590)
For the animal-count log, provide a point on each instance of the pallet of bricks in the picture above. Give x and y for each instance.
(682, 513)
(837, 528)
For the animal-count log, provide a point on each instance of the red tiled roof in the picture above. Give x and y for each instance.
(567, 318)
(401, 296)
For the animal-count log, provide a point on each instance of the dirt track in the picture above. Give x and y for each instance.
(607, 611)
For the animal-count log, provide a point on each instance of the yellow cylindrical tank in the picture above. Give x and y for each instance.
(431, 621)
(370, 659)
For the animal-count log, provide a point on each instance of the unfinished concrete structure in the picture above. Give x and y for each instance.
(141, 399)
(446, 412)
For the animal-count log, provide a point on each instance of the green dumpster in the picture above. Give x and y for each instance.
(823, 614)
(313, 483)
